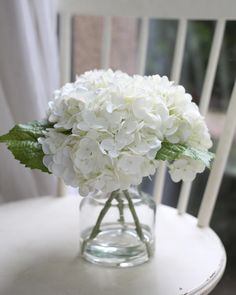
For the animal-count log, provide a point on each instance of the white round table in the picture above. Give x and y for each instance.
(39, 242)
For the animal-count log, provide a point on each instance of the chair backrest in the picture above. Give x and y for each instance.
(183, 10)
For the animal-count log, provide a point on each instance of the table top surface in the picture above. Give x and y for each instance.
(39, 254)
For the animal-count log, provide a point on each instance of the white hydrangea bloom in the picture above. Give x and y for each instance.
(185, 169)
(108, 127)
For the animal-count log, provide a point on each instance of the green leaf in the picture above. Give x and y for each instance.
(29, 153)
(171, 152)
(196, 154)
(22, 141)
(30, 131)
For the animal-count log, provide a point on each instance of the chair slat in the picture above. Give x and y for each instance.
(65, 67)
(162, 9)
(223, 149)
(212, 66)
(184, 197)
(61, 188)
(205, 99)
(175, 76)
(142, 46)
(65, 47)
(159, 183)
(179, 51)
(106, 42)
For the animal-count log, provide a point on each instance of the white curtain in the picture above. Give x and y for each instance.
(28, 75)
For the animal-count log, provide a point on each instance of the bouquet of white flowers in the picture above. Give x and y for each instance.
(108, 130)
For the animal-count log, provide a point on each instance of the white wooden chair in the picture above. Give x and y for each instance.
(190, 258)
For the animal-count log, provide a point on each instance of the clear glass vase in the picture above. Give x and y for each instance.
(117, 229)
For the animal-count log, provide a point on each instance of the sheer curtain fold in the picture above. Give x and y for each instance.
(28, 75)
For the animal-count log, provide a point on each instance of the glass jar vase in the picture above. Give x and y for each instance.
(117, 229)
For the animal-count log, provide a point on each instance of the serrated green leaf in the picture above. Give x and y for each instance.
(30, 131)
(171, 152)
(29, 153)
(196, 154)
(22, 141)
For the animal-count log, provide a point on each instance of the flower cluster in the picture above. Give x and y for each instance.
(109, 126)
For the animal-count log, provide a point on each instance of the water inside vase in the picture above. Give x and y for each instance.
(117, 245)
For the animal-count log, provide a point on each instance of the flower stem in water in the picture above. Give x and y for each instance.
(120, 206)
(136, 221)
(96, 228)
